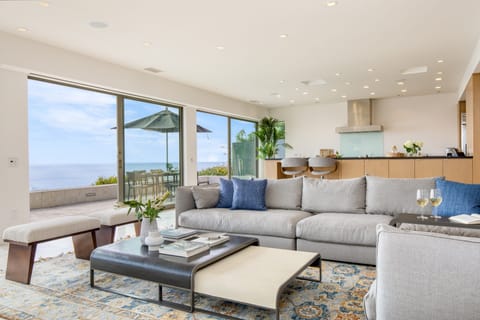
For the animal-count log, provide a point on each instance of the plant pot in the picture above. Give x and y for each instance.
(147, 227)
(154, 240)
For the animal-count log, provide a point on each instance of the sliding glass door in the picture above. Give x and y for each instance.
(243, 160)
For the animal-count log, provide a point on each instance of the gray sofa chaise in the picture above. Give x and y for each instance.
(336, 218)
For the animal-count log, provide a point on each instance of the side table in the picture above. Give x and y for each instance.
(441, 222)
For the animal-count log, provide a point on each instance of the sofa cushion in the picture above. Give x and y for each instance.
(343, 195)
(249, 194)
(345, 228)
(205, 197)
(284, 194)
(394, 196)
(273, 222)
(458, 198)
(226, 194)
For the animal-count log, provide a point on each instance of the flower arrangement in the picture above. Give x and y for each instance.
(413, 147)
(149, 209)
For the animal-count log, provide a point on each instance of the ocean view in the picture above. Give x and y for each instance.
(64, 176)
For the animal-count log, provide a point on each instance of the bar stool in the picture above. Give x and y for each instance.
(319, 166)
(294, 166)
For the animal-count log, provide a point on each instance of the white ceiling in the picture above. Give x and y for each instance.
(349, 38)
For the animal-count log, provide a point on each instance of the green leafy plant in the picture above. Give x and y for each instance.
(106, 180)
(269, 132)
(214, 171)
(150, 209)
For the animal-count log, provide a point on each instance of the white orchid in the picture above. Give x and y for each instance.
(413, 147)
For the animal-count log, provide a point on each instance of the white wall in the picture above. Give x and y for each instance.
(20, 57)
(430, 118)
(14, 190)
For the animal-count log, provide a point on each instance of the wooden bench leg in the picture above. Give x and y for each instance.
(137, 226)
(105, 235)
(20, 262)
(84, 244)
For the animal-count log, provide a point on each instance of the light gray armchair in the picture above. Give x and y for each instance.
(423, 276)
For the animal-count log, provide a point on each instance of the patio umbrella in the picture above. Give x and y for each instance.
(164, 121)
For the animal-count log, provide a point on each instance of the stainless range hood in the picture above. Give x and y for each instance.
(359, 117)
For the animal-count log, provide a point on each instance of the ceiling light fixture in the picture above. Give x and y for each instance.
(401, 82)
(334, 90)
(22, 29)
(366, 86)
(317, 99)
(415, 70)
(438, 79)
(220, 48)
(317, 82)
(377, 80)
(370, 69)
(372, 93)
(348, 83)
(404, 90)
(331, 3)
(282, 81)
(284, 35)
(440, 61)
(43, 4)
(292, 101)
(305, 93)
(98, 24)
(438, 87)
(296, 89)
(344, 96)
(147, 44)
(338, 74)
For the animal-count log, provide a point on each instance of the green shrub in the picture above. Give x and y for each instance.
(214, 171)
(105, 180)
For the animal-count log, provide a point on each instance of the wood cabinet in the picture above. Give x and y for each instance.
(455, 169)
(460, 170)
(426, 168)
(401, 168)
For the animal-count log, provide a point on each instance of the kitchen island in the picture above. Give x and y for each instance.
(454, 169)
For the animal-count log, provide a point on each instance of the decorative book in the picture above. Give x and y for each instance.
(183, 248)
(473, 218)
(178, 233)
(211, 238)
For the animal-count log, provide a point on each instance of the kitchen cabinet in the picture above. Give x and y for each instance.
(460, 170)
(426, 168)
(401, 168)
(377, 167)
(351, 168)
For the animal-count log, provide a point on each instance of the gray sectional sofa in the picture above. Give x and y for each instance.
(336, 218)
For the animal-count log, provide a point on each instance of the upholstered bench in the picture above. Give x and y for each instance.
(110, 219)
(23, 240)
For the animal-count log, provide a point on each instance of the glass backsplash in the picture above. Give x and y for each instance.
(362, 144)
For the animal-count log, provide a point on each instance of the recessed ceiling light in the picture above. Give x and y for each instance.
(147, 44)
(296, 89)
(22, 29)
(404, 90)
(370, 69)
(344, 96)
(305, 93)
(377, 80)
(220, 48)
(440, 72)
(438, 87)
(348, 83)
(43, 4)
(282, 81)
(292, 101)
(334, 90)
(98, 24)
(317, 82)
(401, 82)
(338, 74)
(366, 86)
(415, 70)
(372, 93)
(317, 99)
(275, 94)
(283, 36)
(438, 79)
(440, 61)
(331, 3)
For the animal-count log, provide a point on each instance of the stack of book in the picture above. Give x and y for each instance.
(211, 238)
(183, 248)
(176, 234)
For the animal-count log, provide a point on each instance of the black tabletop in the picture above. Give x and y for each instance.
(443, 221)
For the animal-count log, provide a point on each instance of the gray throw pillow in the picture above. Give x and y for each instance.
(393, 196)
(205, 197)
(284, 194)
(342, 195)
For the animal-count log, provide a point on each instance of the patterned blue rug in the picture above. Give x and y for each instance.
(60, 290)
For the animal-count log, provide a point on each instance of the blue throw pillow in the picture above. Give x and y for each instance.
(249, 194)
(458, 198)
(226, 194)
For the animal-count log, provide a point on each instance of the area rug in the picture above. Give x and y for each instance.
(60, 290)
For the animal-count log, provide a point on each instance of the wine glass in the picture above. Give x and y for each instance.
(422, 201)
(435, 200)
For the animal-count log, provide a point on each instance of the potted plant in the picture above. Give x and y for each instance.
(270, 132)
(147, 212)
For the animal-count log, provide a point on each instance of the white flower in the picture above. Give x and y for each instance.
(419, 144)
(408, 144)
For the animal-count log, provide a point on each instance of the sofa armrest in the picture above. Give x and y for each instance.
(183, 201)
(424, 275)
